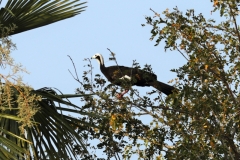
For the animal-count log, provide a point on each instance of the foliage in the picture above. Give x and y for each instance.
(121, 133)
(208, 126)
(201, 119)
(26, 15)
(32, 126)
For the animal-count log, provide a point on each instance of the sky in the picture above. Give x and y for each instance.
(104, 24)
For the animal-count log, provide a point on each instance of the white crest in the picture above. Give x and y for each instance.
(99, 58)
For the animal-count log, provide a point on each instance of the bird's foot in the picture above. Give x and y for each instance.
(120, 95)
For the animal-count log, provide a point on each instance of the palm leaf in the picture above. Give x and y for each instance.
(30, 14)
(52, 135)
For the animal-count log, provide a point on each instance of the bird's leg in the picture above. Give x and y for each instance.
(119, 96)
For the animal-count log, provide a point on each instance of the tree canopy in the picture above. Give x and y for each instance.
(198, 121)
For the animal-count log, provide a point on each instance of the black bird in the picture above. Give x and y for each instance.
(118, 74)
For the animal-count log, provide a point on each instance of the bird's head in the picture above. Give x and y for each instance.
(99, 58)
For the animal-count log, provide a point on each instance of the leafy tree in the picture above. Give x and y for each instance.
(200, 120)
(207, 126)
(32, 125)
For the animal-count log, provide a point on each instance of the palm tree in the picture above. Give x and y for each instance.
(48, 134)
(31, 125)
(26, 15)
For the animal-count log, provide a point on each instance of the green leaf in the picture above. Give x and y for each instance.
(27, 15)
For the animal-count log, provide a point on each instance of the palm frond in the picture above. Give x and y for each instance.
(52, 134)
(27, 15)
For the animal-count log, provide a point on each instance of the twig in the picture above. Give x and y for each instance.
(74, 66)
(76, 78)
(232, 146)
(115, 60)
(235, 23)
(222, 76)
(164, 108)
(156, 14)
(181, 53)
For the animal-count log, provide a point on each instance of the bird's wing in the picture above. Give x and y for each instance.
(117, 72)
(136, 76)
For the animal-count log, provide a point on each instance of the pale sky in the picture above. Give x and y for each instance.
(104, 24)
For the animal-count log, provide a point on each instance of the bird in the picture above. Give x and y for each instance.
(122, 75)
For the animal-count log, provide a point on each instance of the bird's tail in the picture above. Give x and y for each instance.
(162, 87)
